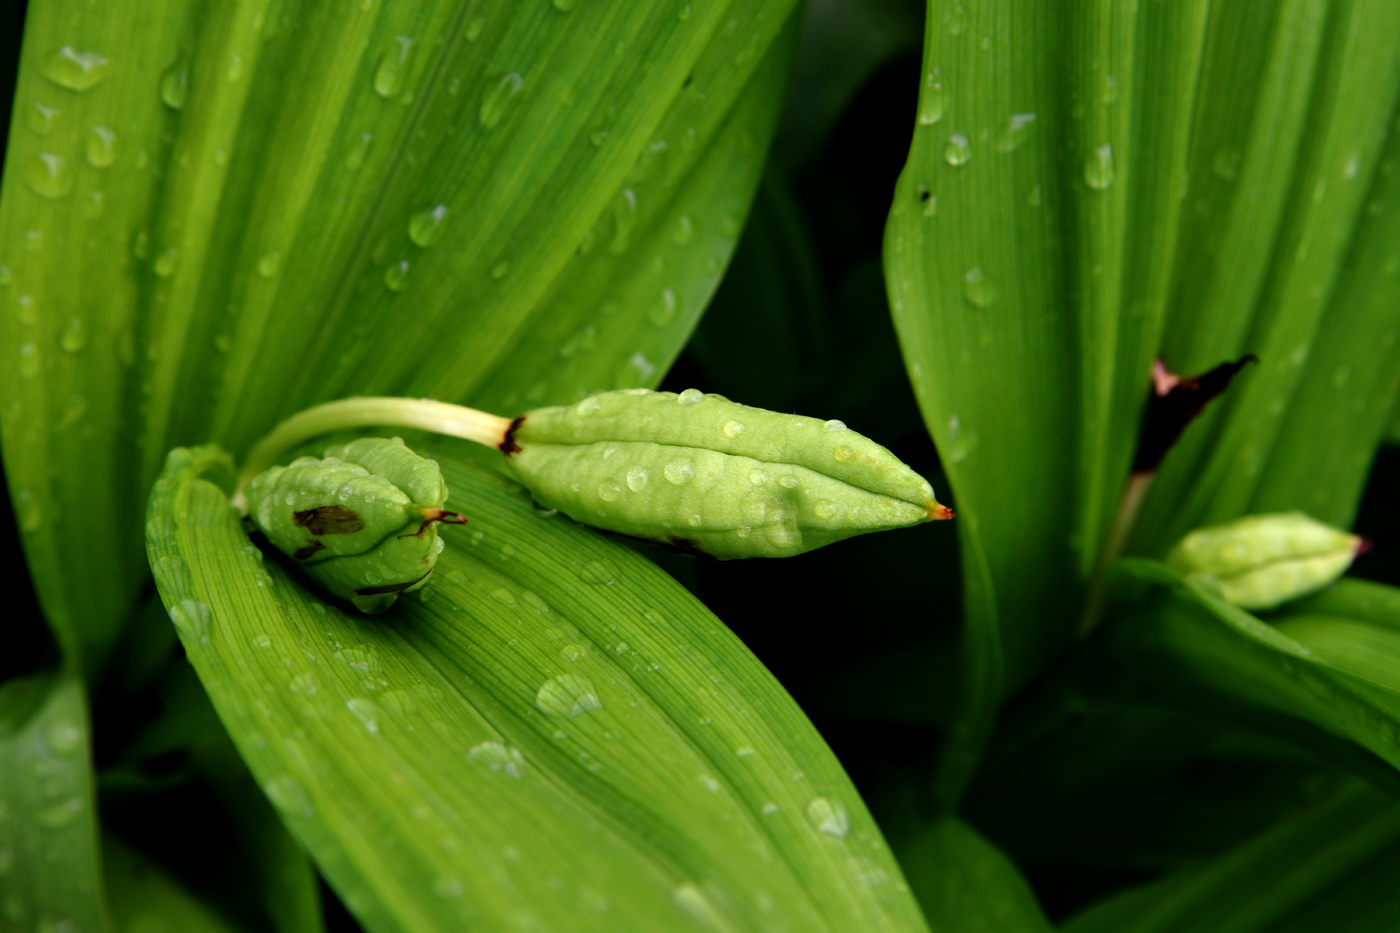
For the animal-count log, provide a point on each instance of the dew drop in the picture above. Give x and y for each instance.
(573, 653)
(598, 137)
(564, 6)
(165, 262)
(47, 175)
(663, 311)
(637, 478)
(499, 96)
(679, 472)
(141, 245)
(826, 510)
(758, 476)
(499, 270)
(567, 695)
(30, 512)
(1098, 168)
(957, 151)
(598, 573)
(269, 263)
(829, 817)
(498, 756)
(932, 101)
(609, 492)
(366, 711)
(685, 231)
(690, 397)
(842, 454)
(978, 288)
(77, 71)
(101, 147)
(6, 276)
(588, 406)
(788, 482)
(59, 814)
(40, 118)
(474, 28)
(175, 84)
(1016, 131)
(624, 212)
(696, 520)
(425, 227)
(733, 428)
(388, 74)
(193, 619)
(359, 150)
(396, 276)
(74, 336)
(834, 425)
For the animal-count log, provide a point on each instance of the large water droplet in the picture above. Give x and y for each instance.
(733, 428)
(193, 619)
(74, 336)
(1098, 168)
(932, 100)
(1016, 132)
(40, 118)
(396, 276)
(598, 573)
(978, 288)
(498, 98)
(829, 816)
(690, 397)
(77, 71)
(425, 227)
(101, 147)
(957, 151)
(388, 74)
(826, 510)
(961, 442)
(637, 478)
(366, 711)
(175, 85)
(567, 695)
(47, 175)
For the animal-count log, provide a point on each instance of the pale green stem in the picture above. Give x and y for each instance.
(423, 414)
(1128, 508)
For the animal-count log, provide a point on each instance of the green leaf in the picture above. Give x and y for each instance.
(277, 204)
(1290, 250)
(1262, 884)
(553, 732)
(965, 884)
(1027, 254)
(50, 873)
(1173, 642)
(143, 897)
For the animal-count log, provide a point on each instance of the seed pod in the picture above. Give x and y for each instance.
(1264, 560)
(705, 474)
(361, 522)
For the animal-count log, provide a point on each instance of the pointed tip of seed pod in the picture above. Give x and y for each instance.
(940, 513)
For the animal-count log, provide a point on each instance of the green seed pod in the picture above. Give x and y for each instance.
(704, 474)
(1264, 560)
(361, 522)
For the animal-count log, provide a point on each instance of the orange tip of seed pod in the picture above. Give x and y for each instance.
(940, 513)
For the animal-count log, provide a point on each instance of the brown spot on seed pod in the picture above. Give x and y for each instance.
(304, 552)
(328, 520)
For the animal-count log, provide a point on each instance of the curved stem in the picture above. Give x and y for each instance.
(439, 417)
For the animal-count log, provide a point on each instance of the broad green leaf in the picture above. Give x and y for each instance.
(552, 733)
(1172, 642)
(965, 884)
(1262, 884)
(1291, 250)
(277, 204)
(50, 874)
(1027, 254)
(144, 898)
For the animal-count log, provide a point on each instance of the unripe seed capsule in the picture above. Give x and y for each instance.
(1262, 561)
(362, 522)
(705, 474)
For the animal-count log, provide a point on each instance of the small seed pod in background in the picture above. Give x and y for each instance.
(1264, 560)
(361, 522)
(705, 474)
